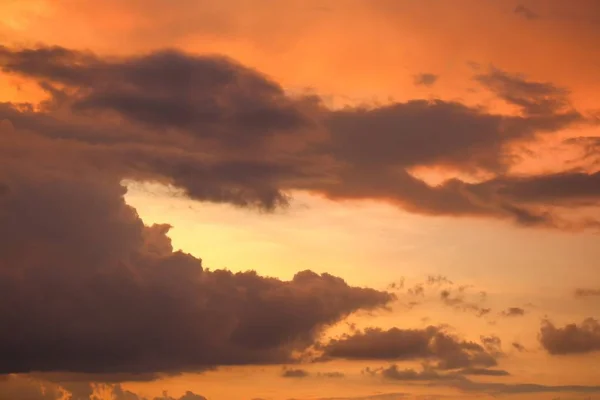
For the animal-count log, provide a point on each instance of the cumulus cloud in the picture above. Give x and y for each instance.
(88, 288)
(226, 133)
(571, 338)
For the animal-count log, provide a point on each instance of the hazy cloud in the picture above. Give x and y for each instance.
(525, 12)
(584, 292)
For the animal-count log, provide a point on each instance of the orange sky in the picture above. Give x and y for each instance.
(360, 52)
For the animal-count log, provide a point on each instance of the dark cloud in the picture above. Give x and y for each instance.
(492, 345)
(525, 12)
(295, 373)
(583, 292)
(483, 372)
(333, 374)
(433, 378)
(385, 396)
(223, 132)
(425, 79)
(409, 374)
(458, 300)
(18, 387)
(571, 338)
(401, 135)
(519, 347)
(438, 280)
(431, 374)
(496, 389)
(532, 98)
(431, 344)
(205, 96)
(118, 393)
(88, 288)
(513, 312)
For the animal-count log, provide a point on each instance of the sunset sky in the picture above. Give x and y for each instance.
(299, 199)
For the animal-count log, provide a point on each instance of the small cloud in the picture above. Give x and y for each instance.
(513, 312)
(333, 374)
(484, 372)
(426, 79)
(519, 347)
(583, 293)
(525, 12)
(295, 373)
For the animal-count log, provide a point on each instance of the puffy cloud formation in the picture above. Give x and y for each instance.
(571, 338)
(88, 288)
(429, 344)
(226, 133)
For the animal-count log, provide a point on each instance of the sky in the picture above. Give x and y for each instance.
(299, 199)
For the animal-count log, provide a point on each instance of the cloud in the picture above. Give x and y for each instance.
(385, 396)
(333, 374)
(571, 338)
(532, 98)
(431, 343)
(483, 372)
(432, 378)
(223, 132)
(295, 373)
(519, 347)
(23, 388)
(525, 12)
(118, 393)
(409, 374)
(93, 290)
(584, 292)
(431, 374)
(513, 312)
(458, 301)
(20, 387)
(425, 79)
(492, 345)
